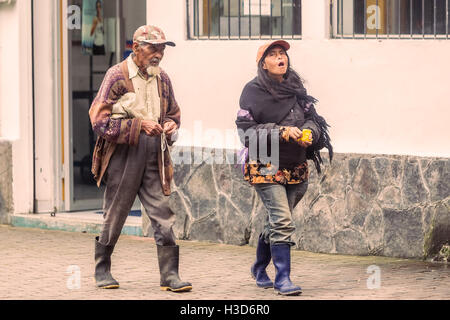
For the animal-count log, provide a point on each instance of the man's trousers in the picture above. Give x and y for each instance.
(133, 170)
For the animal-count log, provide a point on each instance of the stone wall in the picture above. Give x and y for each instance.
(6, 203)
(387, 205)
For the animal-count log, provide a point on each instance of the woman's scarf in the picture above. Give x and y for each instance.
(266, 108)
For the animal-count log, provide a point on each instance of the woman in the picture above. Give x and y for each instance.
(276, 102)
(97, 31)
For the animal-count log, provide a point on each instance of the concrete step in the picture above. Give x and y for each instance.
(82, 221)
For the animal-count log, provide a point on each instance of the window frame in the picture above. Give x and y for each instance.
(194, 22)
(339, 24)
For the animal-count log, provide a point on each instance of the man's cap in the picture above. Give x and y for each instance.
(262, 50)
(151, 34)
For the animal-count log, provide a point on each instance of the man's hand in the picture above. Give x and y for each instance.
(169, 127)
(151, 128)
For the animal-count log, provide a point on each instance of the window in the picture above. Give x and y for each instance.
(244, 19)
(410, 19)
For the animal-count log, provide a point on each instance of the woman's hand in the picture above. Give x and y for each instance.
(304, 144)
(294, 133)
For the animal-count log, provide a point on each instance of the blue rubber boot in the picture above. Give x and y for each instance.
(258, 269)
(281, 256)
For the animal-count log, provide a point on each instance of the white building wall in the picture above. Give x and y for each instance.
(380, 96)
(47, 106)
(16, 97)
(9, 77)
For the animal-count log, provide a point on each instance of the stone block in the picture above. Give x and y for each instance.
(403, 235)
(6, 195)
(390, 197)
(366, 181)
(361, 204)
(438, 232)
(437, 177)
(350, 241)
(207, 229)
(357, 208)
(318, 228)
(413, 190)
(373, 231)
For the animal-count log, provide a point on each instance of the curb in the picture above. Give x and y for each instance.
(65, 223)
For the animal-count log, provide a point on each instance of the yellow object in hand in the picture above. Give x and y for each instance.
(306, 136)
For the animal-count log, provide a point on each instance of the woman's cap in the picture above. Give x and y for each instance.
(284, 44)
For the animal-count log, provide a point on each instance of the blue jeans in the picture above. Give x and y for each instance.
(280, 201)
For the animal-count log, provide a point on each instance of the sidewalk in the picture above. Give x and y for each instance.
(37, 264)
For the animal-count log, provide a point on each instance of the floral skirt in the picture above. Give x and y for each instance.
(256, 172)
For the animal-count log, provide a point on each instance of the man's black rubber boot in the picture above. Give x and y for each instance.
(168, 259)
(103, 277)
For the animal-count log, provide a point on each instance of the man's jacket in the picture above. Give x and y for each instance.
(111, 132)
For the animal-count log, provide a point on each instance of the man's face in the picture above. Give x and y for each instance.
(276, 61)
(148, 55)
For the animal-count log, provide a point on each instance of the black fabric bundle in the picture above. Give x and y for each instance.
(271, 104)
(313, 151)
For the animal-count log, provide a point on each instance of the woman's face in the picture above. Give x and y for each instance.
(99, 6)
(276, 62)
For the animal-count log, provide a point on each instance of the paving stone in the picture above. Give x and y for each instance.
(36, 265)
(360, 192)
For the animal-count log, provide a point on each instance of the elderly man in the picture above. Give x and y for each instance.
(131, 154)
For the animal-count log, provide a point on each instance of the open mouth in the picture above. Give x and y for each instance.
(281, 64)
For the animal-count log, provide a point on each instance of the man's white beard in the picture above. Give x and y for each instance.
(153, 71)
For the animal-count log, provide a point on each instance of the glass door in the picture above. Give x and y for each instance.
(101, 41)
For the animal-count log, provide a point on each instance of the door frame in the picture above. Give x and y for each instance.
(66, 180)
